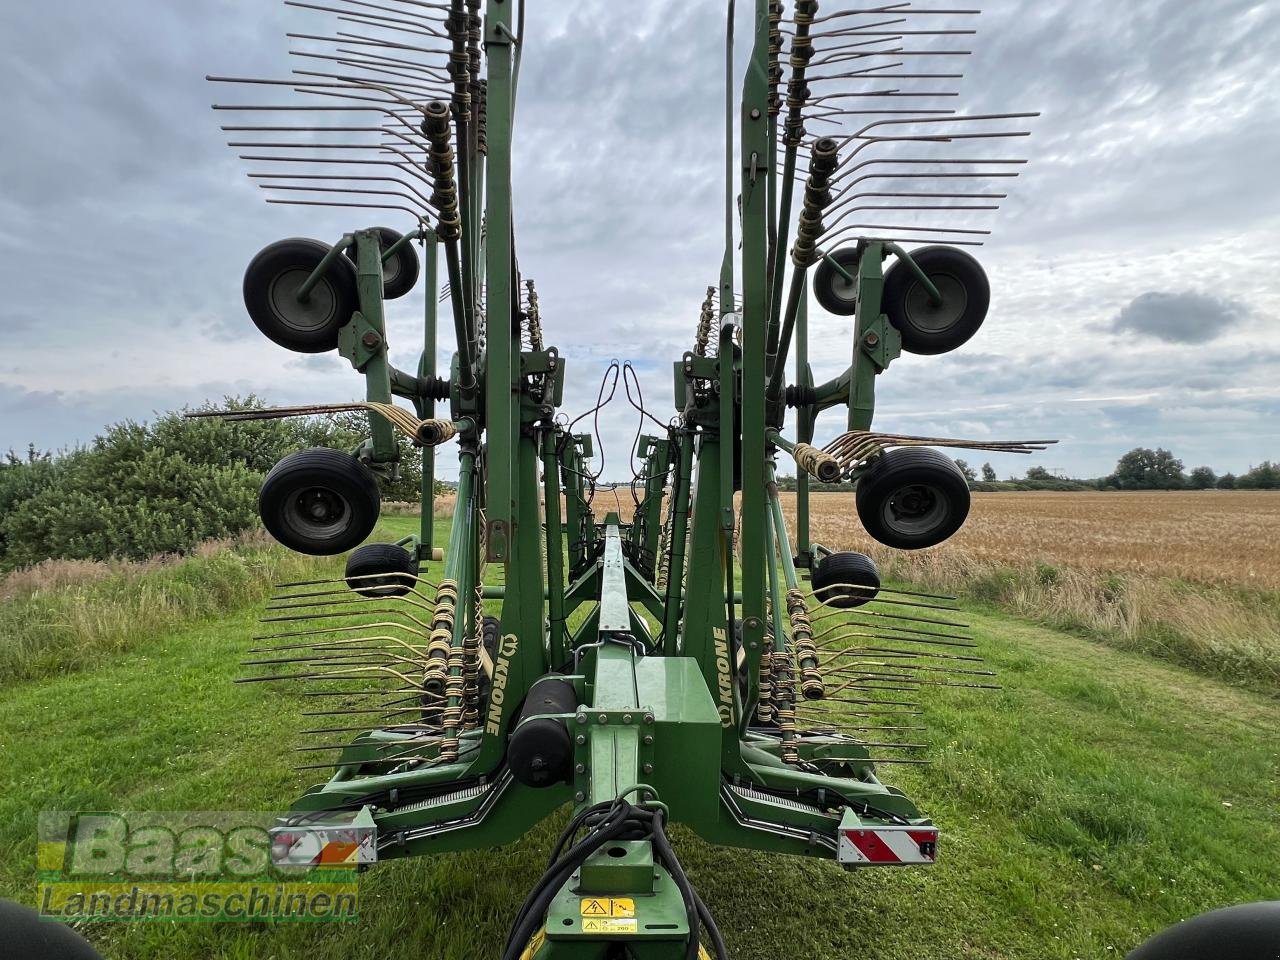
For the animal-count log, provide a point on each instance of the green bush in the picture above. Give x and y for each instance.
(144, 489)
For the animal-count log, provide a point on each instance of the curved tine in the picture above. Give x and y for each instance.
(320, 176)
(379, 66)
(336, 205)
(828, 54)
(926, 194)
(394, 94)
(880, 229)
(872, 71)
(374, 65)
(803, 174)
(361, 40)
(851, 55)
(422, 211)
(325, 161)
(967, 118)
(424, 629)
(934, 161)
(406, 64)
(417, 144)
(366, 19)
(868, 26)
(349, 628)
(408, 13)
(893, 8)
(949, 138)
(337, 95)
(371, 82)
(425, 4)
(414, 30)
(944, 208)
(885, 8)
(345, 642)
(358, 600)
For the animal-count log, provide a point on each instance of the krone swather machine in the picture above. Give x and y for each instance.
(691, 663)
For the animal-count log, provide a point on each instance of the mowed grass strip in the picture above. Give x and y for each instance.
(1083, 806)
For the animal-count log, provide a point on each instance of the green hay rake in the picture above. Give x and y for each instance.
(691, 663)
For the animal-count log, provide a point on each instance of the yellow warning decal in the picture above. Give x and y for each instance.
(609, 925)
(608, 907)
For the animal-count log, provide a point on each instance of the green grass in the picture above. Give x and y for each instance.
(1082, 807)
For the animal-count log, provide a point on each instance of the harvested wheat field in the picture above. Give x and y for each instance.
(1227, 537)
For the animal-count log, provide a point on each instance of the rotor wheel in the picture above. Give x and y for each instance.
(319, 501)
(400, 272)
(833, 292)
(271, 284)
(846, 580)
(1250, 931)
(931, 328)
(31, 937)
(912, 498)
(381, 570)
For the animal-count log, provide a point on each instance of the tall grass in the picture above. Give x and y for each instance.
(1230, 632)
(60, 616)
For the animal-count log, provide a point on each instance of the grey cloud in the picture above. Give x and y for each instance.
(1179, 317)
(1155, 141)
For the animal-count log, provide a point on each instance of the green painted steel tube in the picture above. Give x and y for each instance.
(804, 427)
(780, 533)
(304, 292)
(755, 154)
(555, 546)
(679, 535)
(377, 371)
(427, 405)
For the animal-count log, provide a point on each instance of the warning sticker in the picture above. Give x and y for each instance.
(608, 907)
(609, 925)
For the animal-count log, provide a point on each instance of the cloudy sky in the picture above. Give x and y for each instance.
(1133, 266)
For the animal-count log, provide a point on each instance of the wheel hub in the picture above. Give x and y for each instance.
(937, 317)
(914, 509)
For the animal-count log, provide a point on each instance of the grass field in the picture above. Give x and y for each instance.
(1189, 577)
(1098, 796)
(1222, 537)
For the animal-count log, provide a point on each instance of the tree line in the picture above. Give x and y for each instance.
(1140, 469)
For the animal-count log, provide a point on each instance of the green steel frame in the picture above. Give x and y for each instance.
(663, 623)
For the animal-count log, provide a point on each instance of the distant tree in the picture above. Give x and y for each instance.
(1265, 476)
(1145, 469)
(1227, 481)
(988, 473)
(1039, 473)
(966, 470)
(1202, 478)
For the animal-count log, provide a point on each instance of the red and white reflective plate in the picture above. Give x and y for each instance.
(899, 846)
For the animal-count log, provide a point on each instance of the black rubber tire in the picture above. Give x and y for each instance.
(27, 936)
(1250, 931)
(912, 498)
(846, 568)
(966, 295)
(274, 275)
(834, 293)
(400, 273)
(381, 570)
(320, 501)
